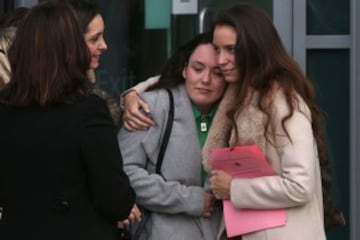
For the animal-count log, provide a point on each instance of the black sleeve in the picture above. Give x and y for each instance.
(109, 186)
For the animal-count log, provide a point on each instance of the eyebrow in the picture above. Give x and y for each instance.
(197, 62)
(91, 35)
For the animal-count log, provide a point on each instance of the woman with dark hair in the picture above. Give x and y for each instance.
(92, 26)
(179, 205)
(269, 102)
(13, 18)
(61, 171)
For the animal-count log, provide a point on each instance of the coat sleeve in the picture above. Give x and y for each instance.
(140, 88)
(295, 183)
(109, 186)
(140, 151)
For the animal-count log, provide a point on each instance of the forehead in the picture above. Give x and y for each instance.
(224, 34)
(204, 53)
(96, 25)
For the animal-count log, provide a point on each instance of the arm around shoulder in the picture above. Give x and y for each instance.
(140, 88)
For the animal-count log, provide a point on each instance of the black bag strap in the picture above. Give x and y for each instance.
(167, 133)
(146, 214)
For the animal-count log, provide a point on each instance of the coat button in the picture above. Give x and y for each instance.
(64, 205)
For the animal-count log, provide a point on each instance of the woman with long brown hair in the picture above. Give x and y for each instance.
(269, 102)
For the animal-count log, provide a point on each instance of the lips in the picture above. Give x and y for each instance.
(227, 71)
(203, 90)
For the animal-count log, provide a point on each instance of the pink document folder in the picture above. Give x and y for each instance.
(245, 162)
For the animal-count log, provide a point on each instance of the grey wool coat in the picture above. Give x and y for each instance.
(176, 203)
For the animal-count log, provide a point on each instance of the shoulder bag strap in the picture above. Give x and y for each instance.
(166, 134)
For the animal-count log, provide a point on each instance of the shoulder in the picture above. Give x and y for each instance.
(159, 103)
(94, 109)
(280, 103)
(92, 102)
(160, 97)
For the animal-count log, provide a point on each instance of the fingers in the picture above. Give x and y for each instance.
(207, 214)
(123, 224)
(143, 105)
(217, 196)
(145, 118)
(136, 214)
(220, 184)
(135, 117)
(131, 218)
(134, 125)
(136, 120)
(208, 205)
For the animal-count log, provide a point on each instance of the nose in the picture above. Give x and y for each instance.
(206, 78)
(222, 58)
(102, 45)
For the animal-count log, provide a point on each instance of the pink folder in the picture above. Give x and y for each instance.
(245, 162)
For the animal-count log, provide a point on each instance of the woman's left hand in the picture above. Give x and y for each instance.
(220, 183)
(134, 216)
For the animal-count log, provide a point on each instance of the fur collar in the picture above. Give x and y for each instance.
(220, 130)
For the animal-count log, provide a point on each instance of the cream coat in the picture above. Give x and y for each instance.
(297, 187)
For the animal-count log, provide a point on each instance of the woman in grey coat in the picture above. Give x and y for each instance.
(180, 207)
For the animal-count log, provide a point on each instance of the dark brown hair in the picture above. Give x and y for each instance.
(85, 12)
(264, 64)
(49, 58)
(171, 74)
(13, 18)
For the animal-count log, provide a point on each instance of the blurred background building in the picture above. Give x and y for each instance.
(322, 36)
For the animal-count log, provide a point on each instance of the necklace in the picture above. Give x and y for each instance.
(203, 124)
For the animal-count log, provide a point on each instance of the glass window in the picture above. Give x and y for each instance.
(330, 71)
(328, 17)
(134, 52)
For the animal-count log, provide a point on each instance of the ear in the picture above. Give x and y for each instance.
(184, 72)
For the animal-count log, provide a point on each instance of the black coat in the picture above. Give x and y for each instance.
(61, 173)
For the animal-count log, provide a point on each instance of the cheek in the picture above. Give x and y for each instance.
(218, 87)
(191, 77)
(190, 84)
(92, 48)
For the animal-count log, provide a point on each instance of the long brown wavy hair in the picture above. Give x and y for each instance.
(263, 63)
(49, 58)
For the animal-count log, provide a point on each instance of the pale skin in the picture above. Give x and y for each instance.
(134, 119)
(224, 40)
(94, 38)
(204, 85)
(220, 183)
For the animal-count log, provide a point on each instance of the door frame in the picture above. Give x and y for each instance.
(355, 121)
(290, 20)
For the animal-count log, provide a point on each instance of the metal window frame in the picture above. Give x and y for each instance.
(25, 3)
(355, 121)
(283, 21)
(300, 42)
